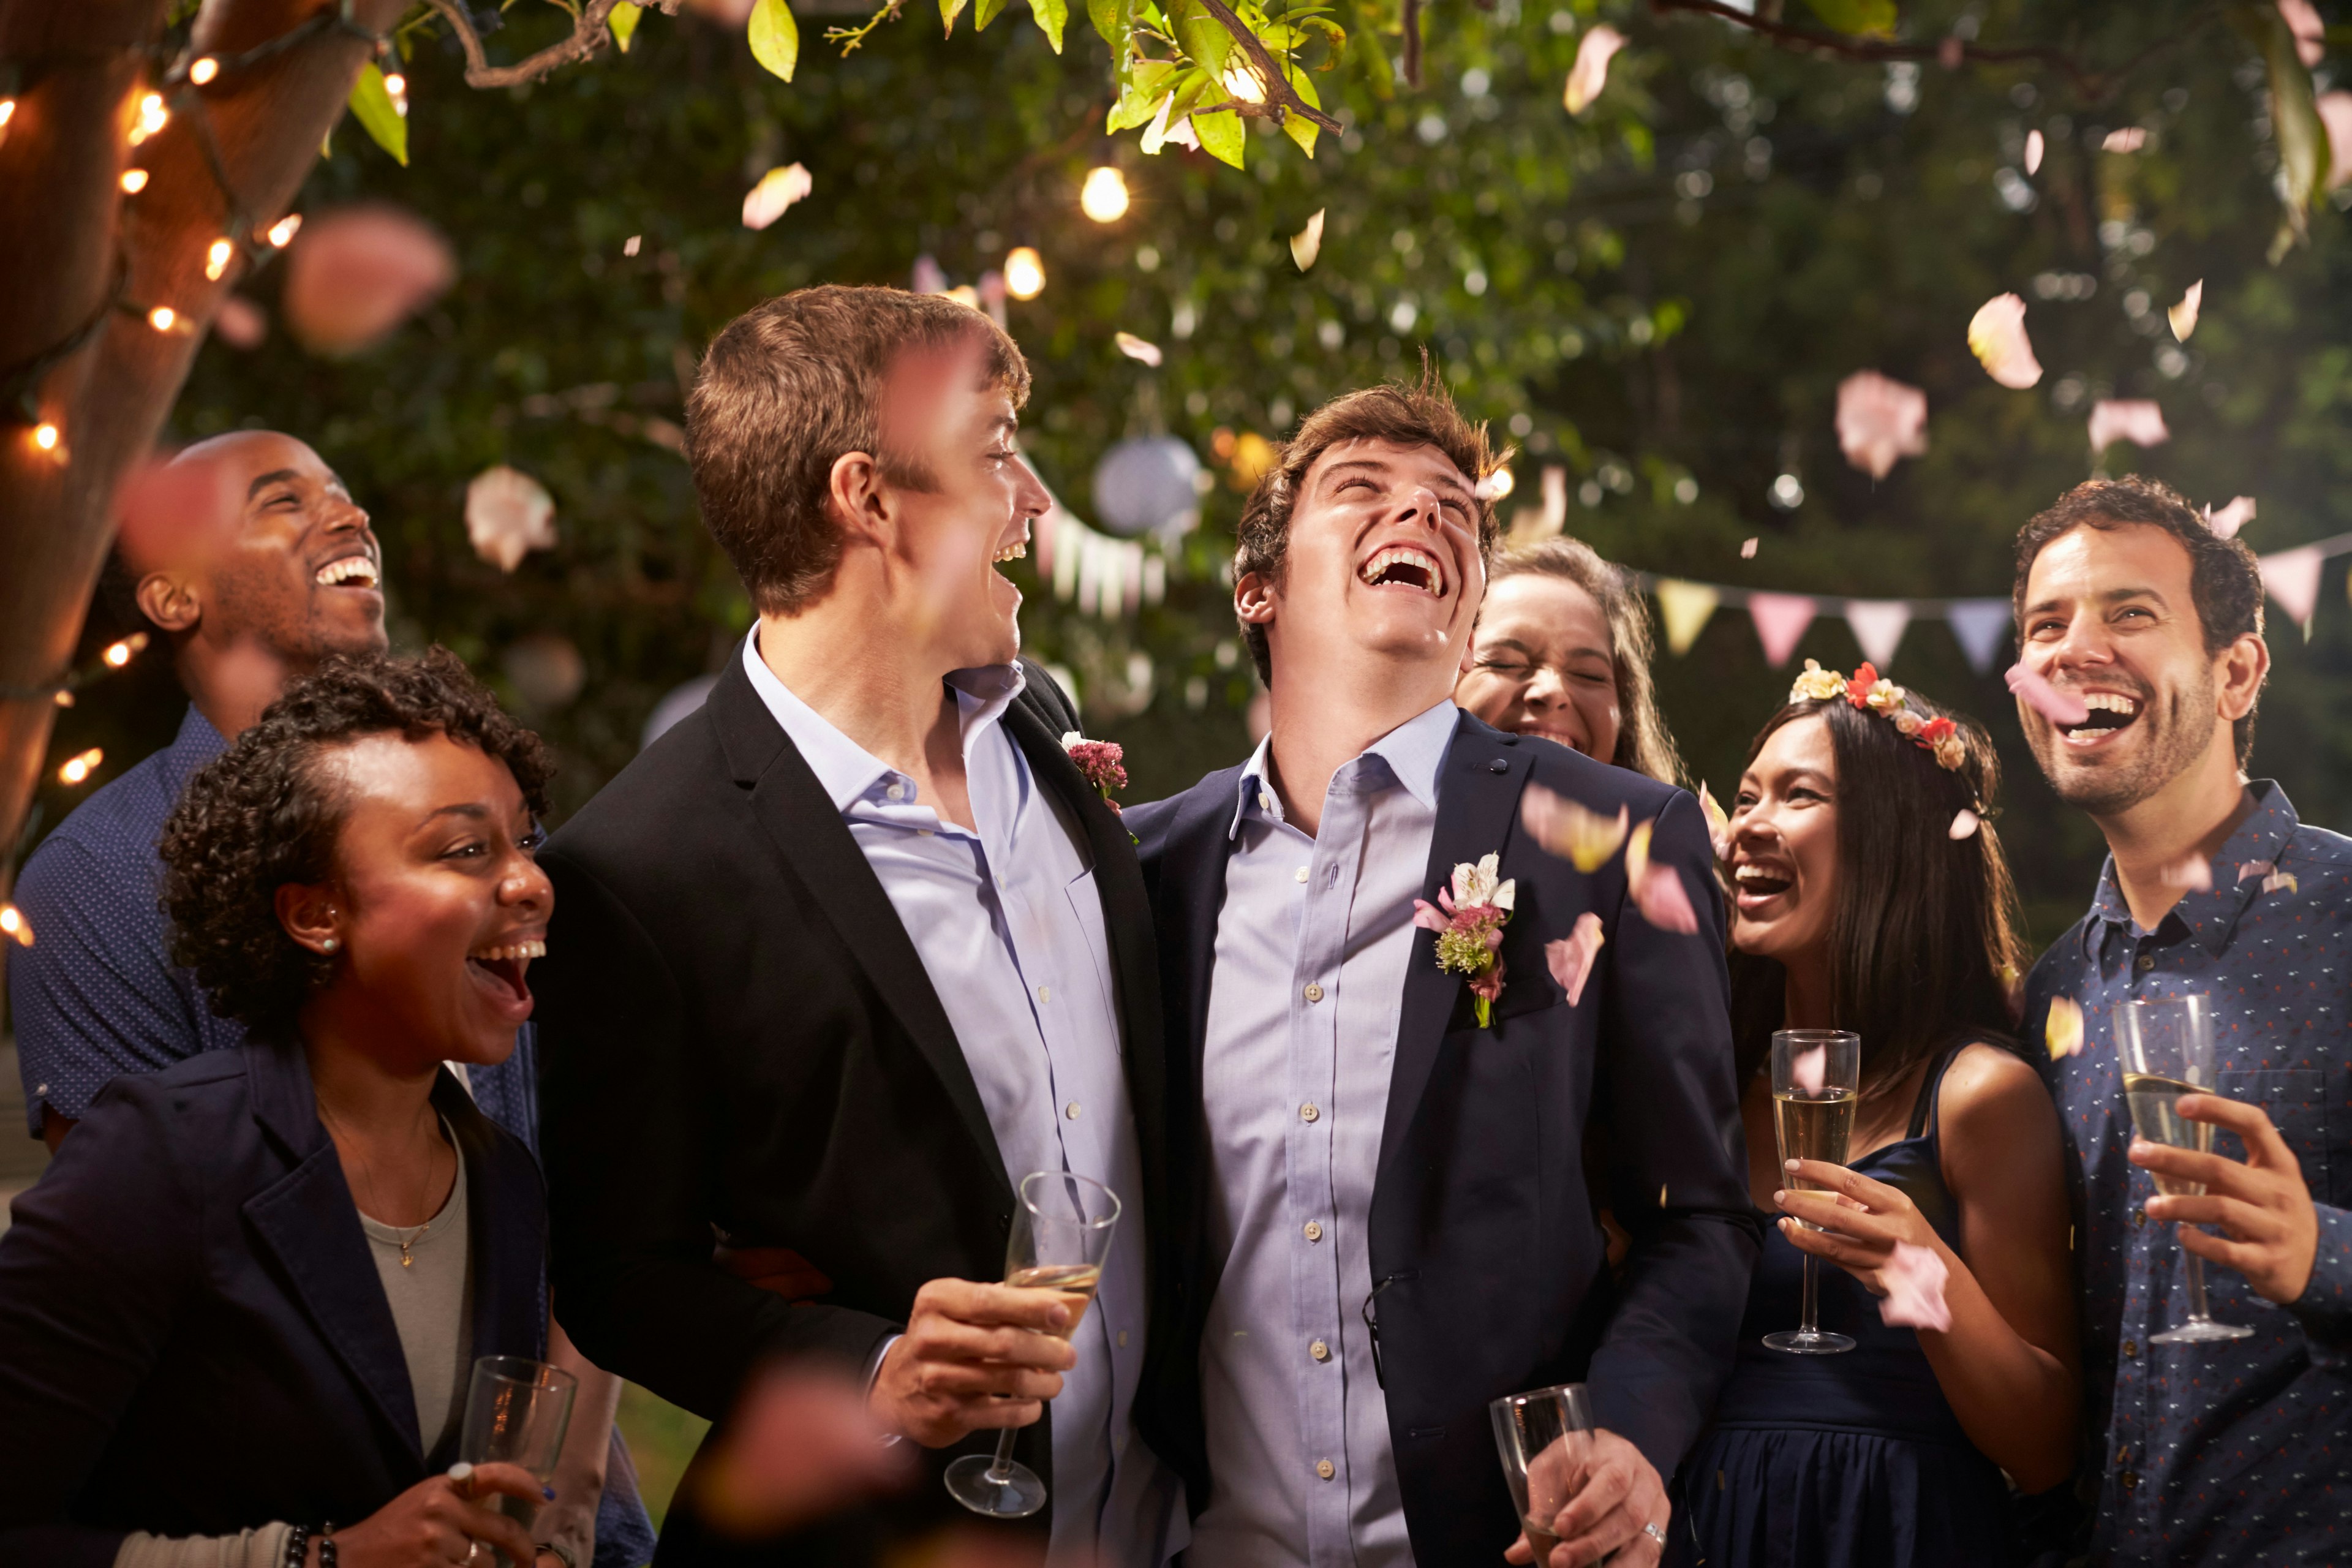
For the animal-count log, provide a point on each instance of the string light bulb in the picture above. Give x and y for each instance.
(161, 317)
(217, 259)
(203, 70)
(44, 436)
(77, 769)
(133, 181)
(13, 923)
(1104, 196)
(7, 113)
(119, 654)
(396, 85)
(1024, 272)
(153, 116)
(282, 232)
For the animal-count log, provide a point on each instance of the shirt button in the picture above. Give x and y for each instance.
(2131, 1347)
(1308, 1113)
(1071, 1111)
(2140, 1216)
(1264, 800)
(1301, 874)
(1319, 1351)
(1314, 1230)
(1045, 994)
(896, 792)
(1324, 1468)
(1314, 992)
(2146, 962)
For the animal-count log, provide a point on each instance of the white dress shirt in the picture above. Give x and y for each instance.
(1010, 930)
(1304, 1002)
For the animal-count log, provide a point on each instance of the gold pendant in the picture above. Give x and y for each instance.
(406, 1262)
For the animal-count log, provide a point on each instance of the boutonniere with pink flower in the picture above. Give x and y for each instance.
(1103, 763)
(1469, 919)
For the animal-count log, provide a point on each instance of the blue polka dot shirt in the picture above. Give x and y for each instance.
(2226, 1452)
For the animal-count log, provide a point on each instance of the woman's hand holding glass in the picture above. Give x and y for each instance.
(1861, 1221)
(444, 1521)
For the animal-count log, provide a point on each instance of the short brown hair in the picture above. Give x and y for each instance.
(789, 387)
(1417, 416)
(1644, 743)
(264, 814)
(2224, 581)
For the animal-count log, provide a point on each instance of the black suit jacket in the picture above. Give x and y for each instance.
(1489, 1264)
(194, 1340)
(738, 1032)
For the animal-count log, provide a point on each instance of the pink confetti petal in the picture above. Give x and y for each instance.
(1576, 834)
(1913, 1277)
(2310, 32)
(355, 274)
(2195, 874)
(2280, 879)
(778, 189)
(507, 515)
(1964, 824)
(1997, 337)
(2336, 115)
(2063, 1029)
(2255, 868)
(1658, 891)
(2226, 523)
(1748, 549)
(1718, 826)
(2059, 707)
(1571, 958)
(1880, 419)
(1590, 72)
(2033, 149)
(2135, 419)
(1807, 1068)
(239, 322)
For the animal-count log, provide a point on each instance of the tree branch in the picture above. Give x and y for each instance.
(1284, 96)
(1411, 20)
(589, 35)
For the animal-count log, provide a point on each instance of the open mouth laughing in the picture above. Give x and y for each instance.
(357, 570)
(1019, 552)
(502, 967)
(1405, 567)
(1757, 883)
(2111, 712)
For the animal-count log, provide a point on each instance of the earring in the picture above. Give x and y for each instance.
(331, 944)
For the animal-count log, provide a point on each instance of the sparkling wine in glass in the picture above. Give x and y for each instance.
(2168, 1051)
(1545, 1438)
(1061, 1234)
(516, 1411)
(1816, 1082)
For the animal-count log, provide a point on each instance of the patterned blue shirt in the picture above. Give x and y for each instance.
(2232, 1452)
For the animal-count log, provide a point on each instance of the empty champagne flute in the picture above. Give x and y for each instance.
(1061, 1234)
(1545, 1438)
(2168, 1051)
(1816, 1080)
(516, 1411)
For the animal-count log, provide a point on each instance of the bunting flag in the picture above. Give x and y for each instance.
(2293, 578)
(1982, 626)
(1107, 577)
(1878, 626)
(1780, 620)
(1685, 607)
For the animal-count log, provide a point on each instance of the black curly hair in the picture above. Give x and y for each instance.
(264, 814)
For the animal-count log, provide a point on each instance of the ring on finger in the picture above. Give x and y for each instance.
(1656, 1534)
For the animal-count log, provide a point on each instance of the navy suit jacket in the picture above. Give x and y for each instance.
(194, 1338)
(1488, 1260)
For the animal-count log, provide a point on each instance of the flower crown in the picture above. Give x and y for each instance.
(1866, 689)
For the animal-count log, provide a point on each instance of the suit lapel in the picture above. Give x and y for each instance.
(1478, 811)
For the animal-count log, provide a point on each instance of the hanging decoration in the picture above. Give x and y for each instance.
(1686, 607)
(1780, 622)
(1106, 577)
(1878, 626)
(1149, 484)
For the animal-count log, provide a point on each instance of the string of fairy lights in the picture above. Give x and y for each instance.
(72, 772)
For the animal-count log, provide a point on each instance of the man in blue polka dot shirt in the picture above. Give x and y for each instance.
(2229, 1452)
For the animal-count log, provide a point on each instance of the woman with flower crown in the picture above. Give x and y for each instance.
(1870, 893)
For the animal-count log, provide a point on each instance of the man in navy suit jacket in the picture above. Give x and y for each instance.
(1394, 1189)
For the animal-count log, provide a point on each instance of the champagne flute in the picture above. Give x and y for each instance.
(1545, 1440)
(1061, 1234)
(516, 1410)
(2168, 1051)
(1816, 1076)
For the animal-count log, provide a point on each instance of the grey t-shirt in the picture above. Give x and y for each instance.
(431, 1289)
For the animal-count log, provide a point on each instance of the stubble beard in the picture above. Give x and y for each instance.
(2174, 747)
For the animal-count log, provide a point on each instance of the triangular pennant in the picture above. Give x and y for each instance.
(1780, 620)
(1878, 626)
(1982, 625)
(2293, 578)
(1686, 608)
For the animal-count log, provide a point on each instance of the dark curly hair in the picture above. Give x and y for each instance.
(265, 814)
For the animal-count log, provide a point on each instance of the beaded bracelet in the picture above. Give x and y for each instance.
(298, 1545)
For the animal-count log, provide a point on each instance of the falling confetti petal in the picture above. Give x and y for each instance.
(1880, 419)
(2278, 879)
(1657, 889)
(2134, 419)
(2183, 316)
(239, 322)
(1590, 72)
(352, 276)
(2194, 873)
(2310, 32)
(1718, 826)
(1136, 348)
(2062, 1030)
(778, 189)
(1747, 550)
(1307, 243)
(2033, 146)
(1583, 838)
(2336, 115)
(1997, 337)
(2130, 139)
(2226, 523)
(2058, 707)
(1964, 824)
(1808, 1068)
(507, 515)
(1914, 1279)
(2255, 868)
(1571, 958)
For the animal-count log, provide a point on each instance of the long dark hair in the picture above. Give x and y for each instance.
(1923, 933)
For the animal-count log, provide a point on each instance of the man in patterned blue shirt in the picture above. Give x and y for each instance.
(252, 558)
(2229, 1452)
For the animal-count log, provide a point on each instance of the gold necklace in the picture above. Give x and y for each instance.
(367, 1172)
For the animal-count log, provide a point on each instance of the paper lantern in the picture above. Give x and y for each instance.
(1148, 483)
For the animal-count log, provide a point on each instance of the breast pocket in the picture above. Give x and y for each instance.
(2306, 1105)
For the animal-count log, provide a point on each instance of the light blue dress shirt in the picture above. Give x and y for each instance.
(1308, 986)
(1010, 930)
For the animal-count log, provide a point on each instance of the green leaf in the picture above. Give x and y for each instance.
(775, 37)
(1297, 126)
(1146, 87)
(1114, 21)
(1862, 18)
(1204, 39)
(949, 11)
(1051, 16)
(1222, 136)
(372, 107)
(984, 12)
(623, 19)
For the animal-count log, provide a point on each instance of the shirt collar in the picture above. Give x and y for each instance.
(2210, 915)
(847, 770)
(1411, 753)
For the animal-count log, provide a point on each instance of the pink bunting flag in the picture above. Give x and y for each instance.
(2060, 708)
(2134, 419)
(1780, 621)
(1913, 1277)
(1880, 419)
(1571, 958)
(2293, 578)
(1878, 626)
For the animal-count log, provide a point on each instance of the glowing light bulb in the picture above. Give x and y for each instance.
(967, 296)
(7, 113)
(1024, 272)
(1244, 84)
(1498, 485)
(44, 436)
(217, 258)
(162, 317)
(153, 116)
(63, 699)
(119, 654)
(133, 181)
(203, 70)
(78, 768)
(1104, 196)
(13, 923)
(395, 83)
(283, 231)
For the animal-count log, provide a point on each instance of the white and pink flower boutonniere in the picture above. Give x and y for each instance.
(1469, 927)
(1103, 763)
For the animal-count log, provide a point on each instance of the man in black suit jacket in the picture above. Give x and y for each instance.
(847, 953)
(1393, 1179)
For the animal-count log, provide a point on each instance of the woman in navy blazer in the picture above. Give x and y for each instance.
(197, 1339)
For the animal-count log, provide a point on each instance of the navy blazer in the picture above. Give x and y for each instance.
(194, 1338)
(1488, 1260)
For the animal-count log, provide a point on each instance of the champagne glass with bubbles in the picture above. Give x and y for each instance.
(2168, 1051)
(516, 1412)
(1061, 1234)
(1545, 1440)
(1816, 1083)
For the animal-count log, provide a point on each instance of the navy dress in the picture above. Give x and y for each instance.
(1844, 1461)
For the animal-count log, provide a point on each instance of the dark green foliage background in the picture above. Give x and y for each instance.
(1672, 289)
